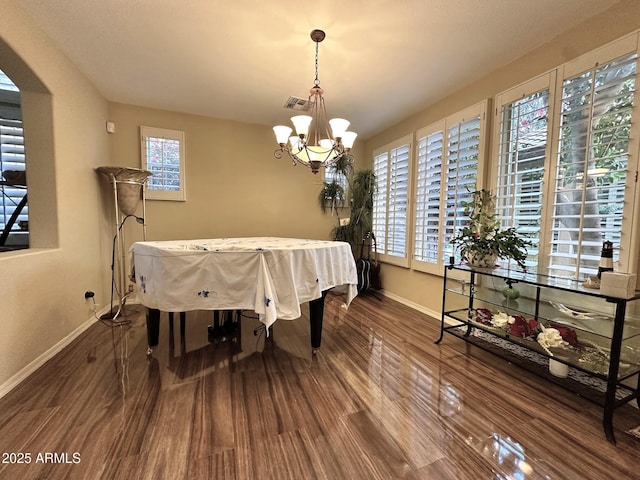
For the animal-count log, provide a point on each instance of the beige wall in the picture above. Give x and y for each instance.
(42, 294)
(235, 187)
(423, 290)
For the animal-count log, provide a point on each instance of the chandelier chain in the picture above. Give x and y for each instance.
(316, 82)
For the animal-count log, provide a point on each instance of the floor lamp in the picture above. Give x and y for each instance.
(129, 187)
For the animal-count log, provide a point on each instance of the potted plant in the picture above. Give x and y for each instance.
(332, 194)
(482, 240)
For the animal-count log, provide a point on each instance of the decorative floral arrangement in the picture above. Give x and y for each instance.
(553, 336)
(482, 240)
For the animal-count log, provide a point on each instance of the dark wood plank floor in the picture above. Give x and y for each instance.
(379, 401)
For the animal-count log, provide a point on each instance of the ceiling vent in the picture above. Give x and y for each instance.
(294, 103)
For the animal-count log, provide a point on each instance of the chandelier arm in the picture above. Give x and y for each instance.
(278, 152)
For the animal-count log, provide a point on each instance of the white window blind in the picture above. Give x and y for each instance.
(13, 194)
(448, 166)
(590, 188)
(163, 155)
(390, 209)
(379, 214)
(429, 184)
(521, 164)
(463, 144)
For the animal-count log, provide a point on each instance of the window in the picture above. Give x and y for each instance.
(522, 153)
(449, 161)
(573, 192)
(163, 155)
(390, 206)
(591, 174)
(331, 174)
(14, 212)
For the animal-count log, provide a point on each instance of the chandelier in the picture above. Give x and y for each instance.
(317, 142)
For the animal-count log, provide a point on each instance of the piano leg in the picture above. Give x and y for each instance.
(153, 328)
(316, 314)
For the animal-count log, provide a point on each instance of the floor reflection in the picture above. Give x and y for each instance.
(196, 354)
(508, 458)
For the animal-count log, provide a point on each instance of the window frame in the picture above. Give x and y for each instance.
(477, 110)
(546, 81)
(146, 132)
(383, 254)
(629, 258)
(13, 195)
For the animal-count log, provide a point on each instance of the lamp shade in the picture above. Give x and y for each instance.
(326, 143)
(282, 133)
(295, 143)
(348, 138)
(301, 122)
(338, 126)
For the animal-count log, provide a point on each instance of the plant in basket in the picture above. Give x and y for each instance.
(482, 240)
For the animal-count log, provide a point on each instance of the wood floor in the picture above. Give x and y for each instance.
(380, 400)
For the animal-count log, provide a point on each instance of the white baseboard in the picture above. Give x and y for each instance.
(415, 306)
(19, 377)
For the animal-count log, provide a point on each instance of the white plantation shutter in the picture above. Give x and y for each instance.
(398, 202)
(12, 157)
(428, 190)
(390, 209)
(449, 160)
(592, 177)
(463, 144)
(522, 147)
(379, 215)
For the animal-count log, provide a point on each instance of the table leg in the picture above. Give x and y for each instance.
(183, 317)
(153, 328)
(316, 315)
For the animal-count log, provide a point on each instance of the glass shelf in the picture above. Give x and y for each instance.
(601, 334)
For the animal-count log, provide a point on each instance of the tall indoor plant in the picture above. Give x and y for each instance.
(358, 197)
(482, 240)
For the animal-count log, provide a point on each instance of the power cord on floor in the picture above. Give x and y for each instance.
(105, 321)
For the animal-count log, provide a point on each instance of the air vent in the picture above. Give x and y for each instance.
(294, 103)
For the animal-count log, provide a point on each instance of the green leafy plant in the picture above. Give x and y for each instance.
(332, 194)
(358, 197)
(482, 240)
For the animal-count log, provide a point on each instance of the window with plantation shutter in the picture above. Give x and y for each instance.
(390, 209)
(14, 212)
(163, 155)
(379, 214)
(593, 187)
(522, 141)
(427, 245)
(567, 153)
(449, 160)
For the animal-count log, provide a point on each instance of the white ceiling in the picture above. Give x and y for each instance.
(382, 60)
